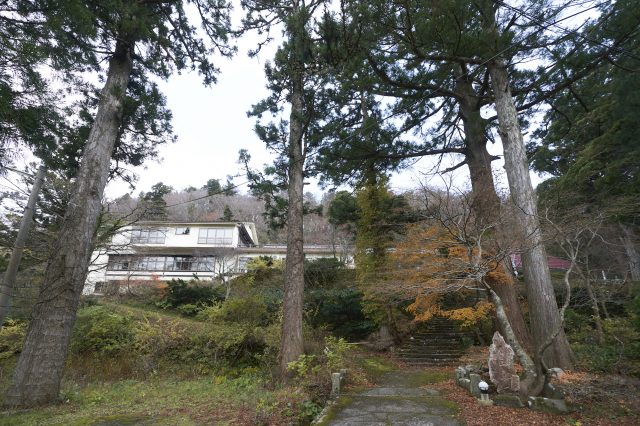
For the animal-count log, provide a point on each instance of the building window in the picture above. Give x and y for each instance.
(119, 263)
(183, 263)
(161, 263)
(242, 263)
(206, 264)
(182, 230)
(147, 236)
(216, 236)
(155, 263)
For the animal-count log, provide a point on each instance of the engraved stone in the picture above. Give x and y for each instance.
(501, 369)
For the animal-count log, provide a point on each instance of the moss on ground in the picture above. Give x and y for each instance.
(331, 412)
(375, 367)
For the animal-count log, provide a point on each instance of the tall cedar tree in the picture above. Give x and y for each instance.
(27, 105)
(429, 56)
(410, 51)
(293, 78)
(545, 318)
(589, 145)
(135, 38)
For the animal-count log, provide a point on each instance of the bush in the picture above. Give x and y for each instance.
(338, 310)
(240, 329)
(12, 336)
(249, 310)
(322, 272)
(189, 297)
(620, 352)
(100, 330)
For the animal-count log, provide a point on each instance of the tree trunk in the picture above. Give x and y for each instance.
(540, 294)
(596, 310)
(6, 289)
(586, 276)
(486, 205)
(291, 346)
(39, 370)
(628, 241)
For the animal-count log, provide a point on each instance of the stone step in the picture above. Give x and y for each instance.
(428, 338)
(425, 342)
(457, 350)
(430, 356)
(420, 349)
(427, 334)
(419, 362)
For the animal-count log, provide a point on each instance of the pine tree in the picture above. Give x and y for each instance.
(139, 38)
(293, 76)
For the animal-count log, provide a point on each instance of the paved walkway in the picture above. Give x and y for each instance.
(396, 401)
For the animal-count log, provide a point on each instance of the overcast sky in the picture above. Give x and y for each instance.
(212, 126)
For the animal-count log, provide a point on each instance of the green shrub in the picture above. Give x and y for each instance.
(12, 336)
(574, 321)
(190, 309)
(322, 272)
(338, 310)
(335, 352)
(98, 329)
(250, 310)
(333, 359)
(620, 352)
(193, 293)
(240, 329)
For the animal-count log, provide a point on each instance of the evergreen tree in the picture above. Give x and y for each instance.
(293, 77)
(589, 145)
(135, 39)
(153, 204)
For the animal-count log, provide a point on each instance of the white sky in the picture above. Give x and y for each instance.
(212, 126)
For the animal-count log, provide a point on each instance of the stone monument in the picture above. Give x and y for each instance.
(501, 369)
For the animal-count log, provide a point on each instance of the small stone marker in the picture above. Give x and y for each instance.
(460, 373)
(474, 380)
(501, 369)
(335, 384)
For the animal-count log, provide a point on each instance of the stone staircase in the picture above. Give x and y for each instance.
(437, 342)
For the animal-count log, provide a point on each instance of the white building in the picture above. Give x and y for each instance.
(169, 250)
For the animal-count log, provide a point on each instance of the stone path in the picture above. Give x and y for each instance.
(396, 401)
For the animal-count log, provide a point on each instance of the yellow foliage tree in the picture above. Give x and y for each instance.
(431, 262)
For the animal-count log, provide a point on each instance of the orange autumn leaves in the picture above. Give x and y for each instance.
(430, 262)
(427, 306)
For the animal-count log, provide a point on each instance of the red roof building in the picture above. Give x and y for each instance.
(554, 262)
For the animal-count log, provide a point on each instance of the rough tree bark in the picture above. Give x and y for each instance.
(291, 345)
(39, 370)
(486, 204)
(540, 293)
